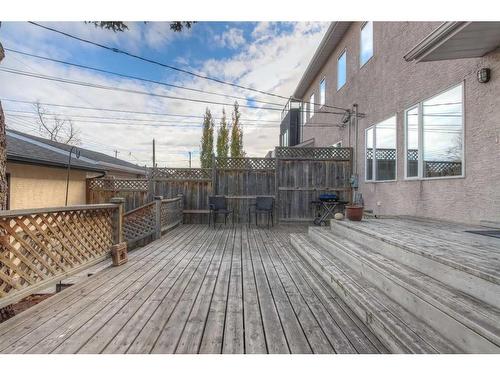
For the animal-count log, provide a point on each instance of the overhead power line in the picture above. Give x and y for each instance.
(132, 91)
(120, 51)
(141, 78)
(120, 111)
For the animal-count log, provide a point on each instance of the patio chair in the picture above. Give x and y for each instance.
(218, 206)
(263, 205)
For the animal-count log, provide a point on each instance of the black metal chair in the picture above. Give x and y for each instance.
(263, 205)
(217, 206)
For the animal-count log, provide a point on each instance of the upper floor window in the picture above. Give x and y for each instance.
(434, 136)
(341, 70)
(311, 106)
(366, 48)
(322, 92)
(380, 151)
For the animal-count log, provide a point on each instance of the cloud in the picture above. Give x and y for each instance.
(232, 38)
(274, 64)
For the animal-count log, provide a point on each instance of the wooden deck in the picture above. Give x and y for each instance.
(197, 290)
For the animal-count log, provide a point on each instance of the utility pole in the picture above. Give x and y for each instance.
(116, 154)
(154, 154)
(189, 159)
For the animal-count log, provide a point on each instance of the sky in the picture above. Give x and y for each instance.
(268, 56)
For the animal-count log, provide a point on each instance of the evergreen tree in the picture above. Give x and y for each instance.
(236, 133)
(207, 140)
(223, 137)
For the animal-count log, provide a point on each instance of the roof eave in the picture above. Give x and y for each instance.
(435, 39)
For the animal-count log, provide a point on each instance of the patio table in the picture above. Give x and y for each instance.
(325, 210)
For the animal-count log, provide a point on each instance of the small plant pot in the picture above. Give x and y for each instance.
(354, 212)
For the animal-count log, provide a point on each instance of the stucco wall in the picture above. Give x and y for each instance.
(387, 85)
(34, 186)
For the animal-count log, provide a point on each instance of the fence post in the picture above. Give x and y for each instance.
(118, 220)
(181, 208)
(157, 200)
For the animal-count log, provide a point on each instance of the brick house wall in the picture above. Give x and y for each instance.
(387, 85)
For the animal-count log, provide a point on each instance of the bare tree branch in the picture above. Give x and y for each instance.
(56, 129)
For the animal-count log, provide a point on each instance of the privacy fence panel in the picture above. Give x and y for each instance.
(195, 185)
(135, 192)
(242, 179)
(303, 174)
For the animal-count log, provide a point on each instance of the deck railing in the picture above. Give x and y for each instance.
(39, 247)
(152, 219)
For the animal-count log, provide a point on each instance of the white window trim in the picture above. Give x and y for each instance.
(373, 153)
(338, 58)
(374, 164)
(361, 64)
(421, 137)
(321, 105)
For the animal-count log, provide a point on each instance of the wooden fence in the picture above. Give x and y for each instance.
(295, 177)
(134, 191)
(39, 247)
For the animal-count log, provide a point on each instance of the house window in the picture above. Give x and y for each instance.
(411, 146)
(322, 92)
(311, 106)
(380, 151)
(435, 129)
(366, 48)
(341, 70)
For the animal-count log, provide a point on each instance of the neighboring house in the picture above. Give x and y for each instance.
(428, 138)
(37, 171)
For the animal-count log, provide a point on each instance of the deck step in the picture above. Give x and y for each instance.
(397, 328)
(469, 268)
(469, 323)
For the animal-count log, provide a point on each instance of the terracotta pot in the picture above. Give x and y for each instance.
(354, 212)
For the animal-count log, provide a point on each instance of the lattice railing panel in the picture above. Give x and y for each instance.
(385, 154)
(171, 212)
(442, 168)
(38, 246)
(110, 184)
(412, 154)
(333, 153)
(139, 223)
(245, 163)
(181, 173)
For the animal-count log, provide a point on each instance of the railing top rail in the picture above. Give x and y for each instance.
(167, 200)
(32, 211)
(138, 208)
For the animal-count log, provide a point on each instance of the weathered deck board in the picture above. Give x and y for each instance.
(197, 290)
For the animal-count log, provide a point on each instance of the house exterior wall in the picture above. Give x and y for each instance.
(387, 85)
(34, 186)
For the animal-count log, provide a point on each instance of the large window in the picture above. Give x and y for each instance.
(311, 106)
(434, 136)
(341, 70)
(322, 92)
(366, 49)
(380, 151)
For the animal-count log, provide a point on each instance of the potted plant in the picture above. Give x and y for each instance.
(354, 211)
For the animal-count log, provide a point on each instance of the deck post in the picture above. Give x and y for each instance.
(180, 206)
(157, 200)
(118, 219)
